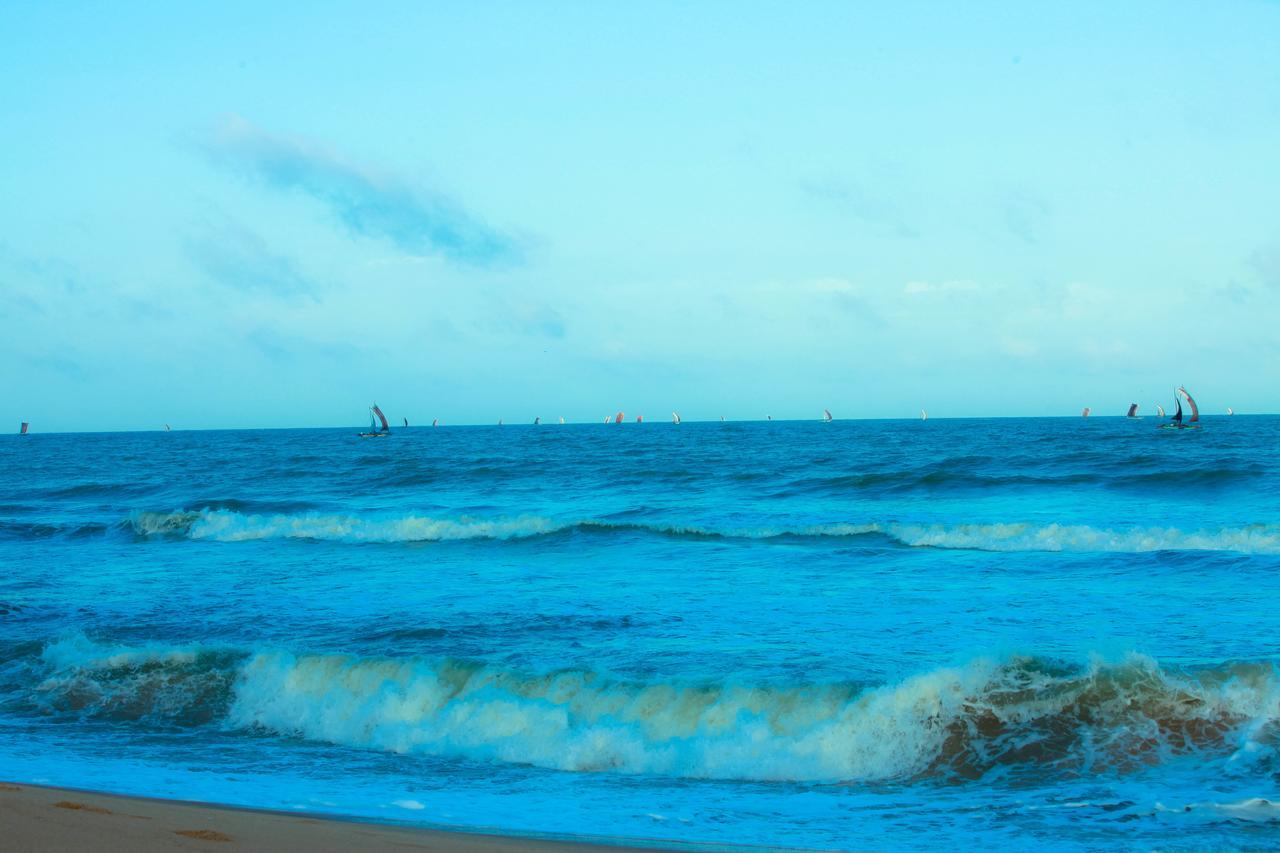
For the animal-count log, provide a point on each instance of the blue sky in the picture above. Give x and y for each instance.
(244, 216)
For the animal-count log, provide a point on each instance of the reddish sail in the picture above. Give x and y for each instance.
(1085, 413)
(1195, 412)
(25, 427)
(617, 419)
(381, 417)
(1133, 410)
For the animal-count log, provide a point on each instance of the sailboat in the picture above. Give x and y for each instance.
(826, 416)
(1230, 411)
(617, 419)
(675, 417)
(537, 421)
(562, 419)
(607, 419)
(924, 416)
(1085, 413)
(639, 419)
(435, 422)
(378, 425)
(768, 417)
(166, 428)
(1159, 410)
(1176, 421)
(406, 421)
(22, 430)
(1133, 411)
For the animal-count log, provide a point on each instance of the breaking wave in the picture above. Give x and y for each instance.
(1015, 715)
(224, 525)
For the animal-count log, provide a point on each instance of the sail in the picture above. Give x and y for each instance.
(562, 419)
(1230, 411)
(1133, 410)
(675, 417)
(381, 417)
(1195, 411)
(924, 416)
(1085, 413)
(435, 422)
(1177, 416)
(406, 421)
(639, 419)
(607, 418)
(826, 415)
(166, 428)
(617, 419)
(537, 420)
(24, 428)
(373, 422)
(1160, 410)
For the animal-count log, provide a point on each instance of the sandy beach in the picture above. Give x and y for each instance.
(37, 819)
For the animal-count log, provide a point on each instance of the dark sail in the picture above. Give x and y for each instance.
(1177, 416)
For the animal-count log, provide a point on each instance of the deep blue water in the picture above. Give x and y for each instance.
(1058, 633)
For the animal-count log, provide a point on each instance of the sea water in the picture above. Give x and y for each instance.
(1058, 633)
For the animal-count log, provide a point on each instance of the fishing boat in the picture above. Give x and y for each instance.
(607, 419)
(1159, 410)
(1085, 413)
(22, 430)
(406, 421)
(924, 416)
(675, 417)
(378, 425)
(435, 422)
(826, 416)
(537, 421)
(1133, 411)
(166, 428)
(1176, 421)
(639, 419)
(1230, 411)
(562, 419)
(617, 419)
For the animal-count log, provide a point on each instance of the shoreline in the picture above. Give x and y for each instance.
(46, 819)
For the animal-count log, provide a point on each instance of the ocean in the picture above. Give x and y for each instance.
(1056, 633)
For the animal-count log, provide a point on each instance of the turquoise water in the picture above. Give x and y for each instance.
(871, 634)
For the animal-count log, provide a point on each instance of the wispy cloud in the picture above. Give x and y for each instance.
(240, 258)
(418, 220)
(860, 202)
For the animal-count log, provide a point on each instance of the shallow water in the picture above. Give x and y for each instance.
(861, 634)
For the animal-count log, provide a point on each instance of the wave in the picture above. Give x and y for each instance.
(228, 526)
(986, 716)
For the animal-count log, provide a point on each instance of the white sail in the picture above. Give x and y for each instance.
(924, 416)
(562, 419)
(675, 417)
(1160, 410)
(1230, 411)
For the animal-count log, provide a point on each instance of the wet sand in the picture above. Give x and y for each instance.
(36, 819)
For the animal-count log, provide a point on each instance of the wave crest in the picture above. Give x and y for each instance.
(962, 722)
(224, 525)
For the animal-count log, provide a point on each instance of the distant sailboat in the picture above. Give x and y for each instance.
(768, 417)
(617, 419)
(378, 425)
(166, 428)
(499, 421)
(639, 419)
(1159, 410)
(562, 419)
(406, 421)
(435, 422)
(537, 421)
(22, 430)
(826, 416)
(722, 419)
(1085, 413)
(924, 416)
(1230, 411)
(1176, 421)
(607, 419)
(675, 417)
(1133, 410)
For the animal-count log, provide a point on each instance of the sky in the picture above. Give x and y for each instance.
(272, 215)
